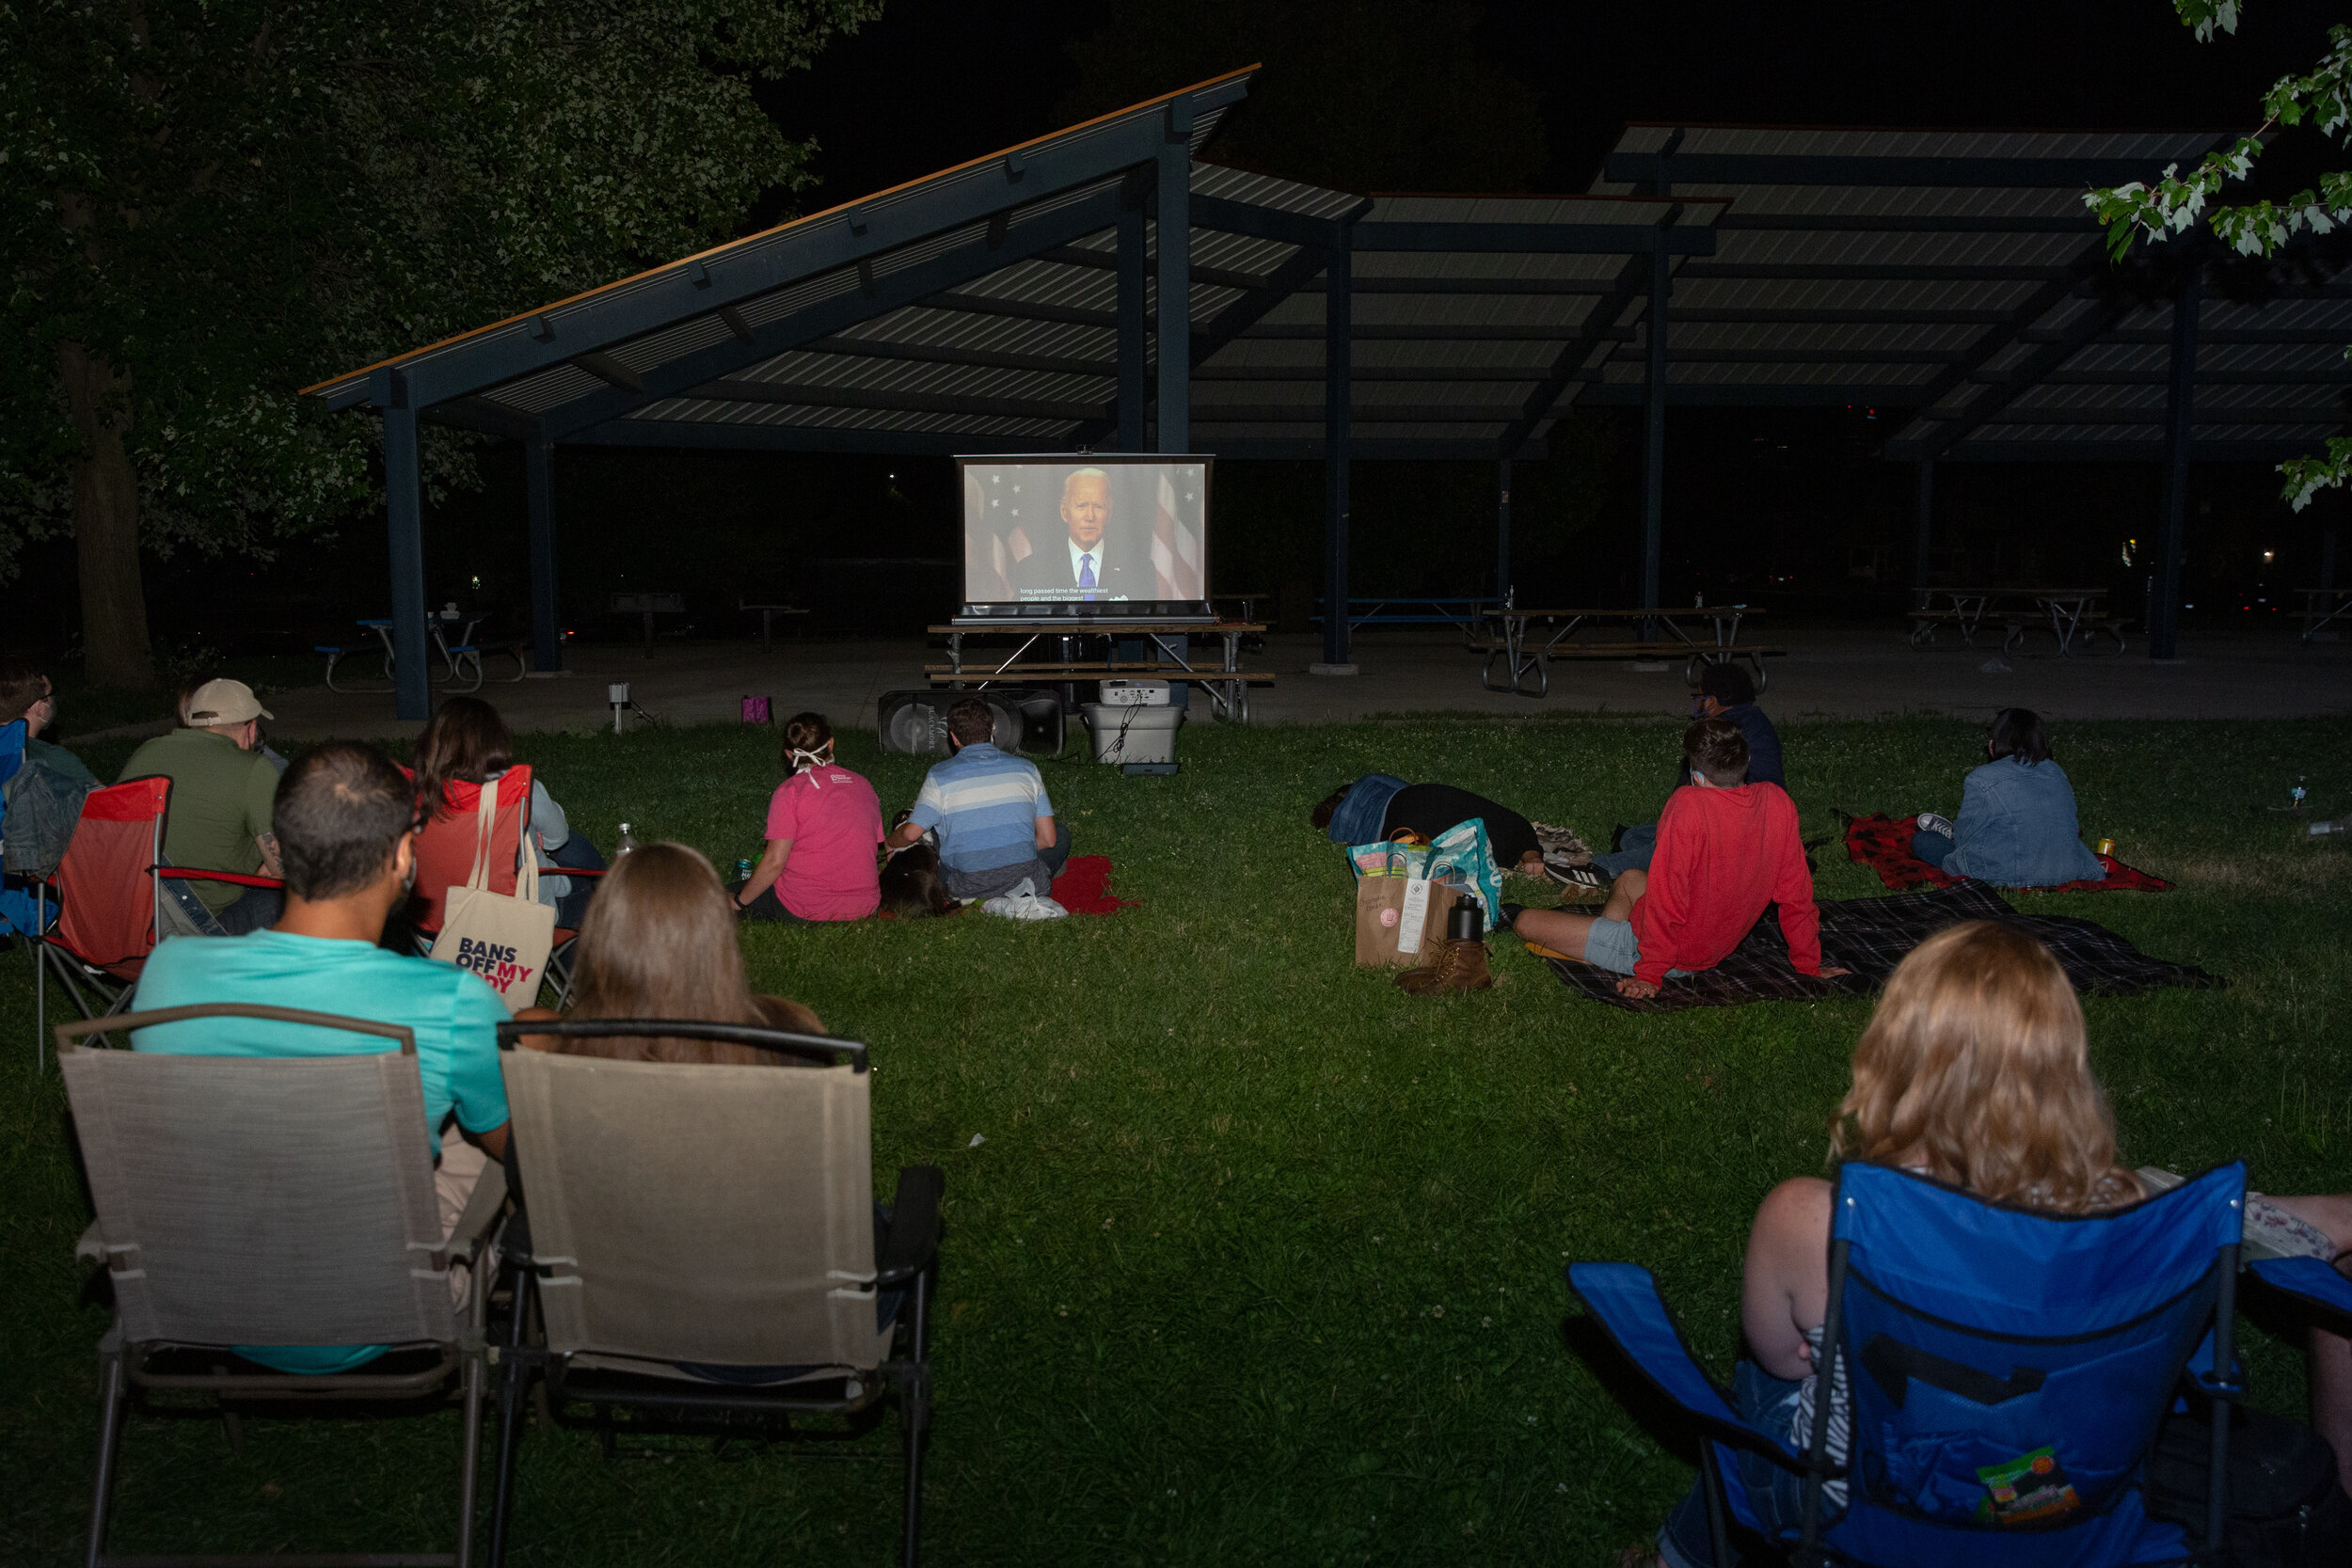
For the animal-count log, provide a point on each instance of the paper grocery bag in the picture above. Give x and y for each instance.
(503, 939)
(1395, 918)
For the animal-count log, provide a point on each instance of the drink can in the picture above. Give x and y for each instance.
(2106, 847)
(742, 871)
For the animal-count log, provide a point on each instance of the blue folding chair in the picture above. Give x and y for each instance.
(1975, 1336)
(19, 910)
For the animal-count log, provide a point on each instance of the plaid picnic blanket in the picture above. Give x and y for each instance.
(1870, 936)
(1883, 845)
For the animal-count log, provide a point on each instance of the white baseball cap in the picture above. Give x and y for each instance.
(225, 703)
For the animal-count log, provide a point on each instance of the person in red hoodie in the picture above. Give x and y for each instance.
(1726, 848)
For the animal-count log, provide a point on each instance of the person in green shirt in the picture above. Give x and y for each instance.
(25, 693)
(222, 791)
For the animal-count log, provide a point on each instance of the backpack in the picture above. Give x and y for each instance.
(2287, 1509)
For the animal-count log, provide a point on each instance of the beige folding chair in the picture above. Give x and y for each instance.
(702, 1242)
(271, 1201)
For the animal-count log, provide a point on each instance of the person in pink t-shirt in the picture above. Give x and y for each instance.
(824, 824)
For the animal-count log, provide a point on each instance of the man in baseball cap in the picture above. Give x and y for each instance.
(222, 795)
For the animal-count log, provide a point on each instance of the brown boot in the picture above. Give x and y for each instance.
(1433, 975)
(1471, 972)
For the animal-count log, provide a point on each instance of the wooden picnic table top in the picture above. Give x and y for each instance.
(1102, 628)
(2023, 593)
(1662, 612)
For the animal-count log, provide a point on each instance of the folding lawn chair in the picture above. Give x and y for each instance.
(445, 847)
(19, 909)
(271, 1201)
(111, 903)
(702, 1244)
(1976, 1336)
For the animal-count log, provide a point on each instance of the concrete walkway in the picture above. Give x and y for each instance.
(1834, 672)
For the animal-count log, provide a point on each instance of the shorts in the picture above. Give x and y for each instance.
(1610, 944)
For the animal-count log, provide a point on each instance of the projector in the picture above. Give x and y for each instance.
(1118, 693)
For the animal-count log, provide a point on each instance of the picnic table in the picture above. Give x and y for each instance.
(1509, 641)
(1227, 683)
(2064, 612)
(647, 606)
(2323, 608)
(768, 613)
(460, 659)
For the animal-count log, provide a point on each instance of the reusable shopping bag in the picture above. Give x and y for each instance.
(1462, 855)
(501, 938)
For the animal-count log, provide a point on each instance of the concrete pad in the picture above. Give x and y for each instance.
(1839, 671)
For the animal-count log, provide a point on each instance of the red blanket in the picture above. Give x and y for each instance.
(1883, 845)
(1084, 887)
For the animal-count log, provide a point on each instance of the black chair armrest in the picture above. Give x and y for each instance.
(914, 1240)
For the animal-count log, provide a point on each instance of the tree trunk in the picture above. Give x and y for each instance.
(116, 651)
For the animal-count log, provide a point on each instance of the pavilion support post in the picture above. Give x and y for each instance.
(2180, 409)
(1337, 386)
(1654, 432)
(1175, 281)
(1503, 529)
(547, 616)
(1923, 535)
(1134, 278)
(404, 514)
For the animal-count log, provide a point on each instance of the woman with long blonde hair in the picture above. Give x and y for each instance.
(659, 942)
(1975, 1071)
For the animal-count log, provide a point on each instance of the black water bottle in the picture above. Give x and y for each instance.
(1467, 921)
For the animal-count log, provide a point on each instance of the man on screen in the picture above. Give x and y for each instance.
(1080, 565)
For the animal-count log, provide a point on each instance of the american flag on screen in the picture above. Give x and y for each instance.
(1175, 550)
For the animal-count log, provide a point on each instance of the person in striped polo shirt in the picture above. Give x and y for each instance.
(995, 826)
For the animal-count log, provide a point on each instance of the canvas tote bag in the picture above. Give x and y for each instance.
(501, 938)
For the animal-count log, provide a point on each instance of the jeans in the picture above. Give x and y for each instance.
(581, 855)
(1776, 1491)
(255, 908)
(971, 886)
(1633, 851)
(1934, 848)
(768, 906)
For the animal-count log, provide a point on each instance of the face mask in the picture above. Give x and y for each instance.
(802, 761)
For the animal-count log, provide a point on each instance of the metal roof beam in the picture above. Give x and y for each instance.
(1378, 285)
(2269, 450)
(777, 437)
(2323, 336)
(1107, 261)
(1019, 309)
(1815, 355)
(491, 418)
(1870, 272)
(1378, 372)
(1652, 171)
(2320, 376)
(1377, 413)
(933, 353)
(2048, 297)
(1840, 316)
(807, 395)
(2331, 415)
(891, 291)
(1855, 223)
(1600, 326)
(1415, 333)
(1735, 394)
(1553, 239)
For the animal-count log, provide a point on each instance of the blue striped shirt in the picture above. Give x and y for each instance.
(986, 805)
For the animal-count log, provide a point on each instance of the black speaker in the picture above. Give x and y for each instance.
(1029, 719)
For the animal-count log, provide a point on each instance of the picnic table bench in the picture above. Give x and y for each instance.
(2065, 613)
(461, 660)
(1509, 642)
(2322, 608)
(1226, 682)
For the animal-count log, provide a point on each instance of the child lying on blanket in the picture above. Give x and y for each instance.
(1726, 848)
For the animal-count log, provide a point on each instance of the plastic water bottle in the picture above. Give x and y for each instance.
(627, 842)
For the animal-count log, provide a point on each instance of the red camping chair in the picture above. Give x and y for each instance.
(445, 850)
(109, 894)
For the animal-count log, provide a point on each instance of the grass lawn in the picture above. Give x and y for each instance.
(1260, 1258)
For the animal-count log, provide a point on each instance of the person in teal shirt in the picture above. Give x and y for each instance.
(344, 817)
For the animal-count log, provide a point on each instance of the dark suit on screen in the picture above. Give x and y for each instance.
(1118, 573)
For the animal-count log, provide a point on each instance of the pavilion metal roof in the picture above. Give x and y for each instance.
(980, 309)
(1957, 275)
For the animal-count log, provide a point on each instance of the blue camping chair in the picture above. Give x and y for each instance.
(19, 910)
(1976, 1334)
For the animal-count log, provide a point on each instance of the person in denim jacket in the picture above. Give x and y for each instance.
(2017, 826)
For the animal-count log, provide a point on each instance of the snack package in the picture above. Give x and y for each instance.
(2029, 1489)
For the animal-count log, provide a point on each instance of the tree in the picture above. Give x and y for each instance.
(214, 202)
(2175, 204)
(1358, 95)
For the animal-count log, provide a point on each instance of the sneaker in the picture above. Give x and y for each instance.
(1026, 903)
(1931, 823)
(1510, 913)
(1577, 876)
